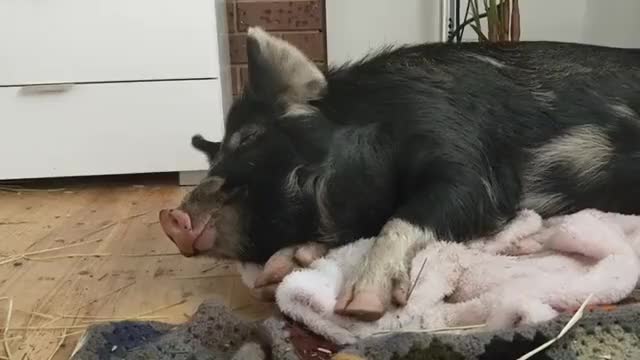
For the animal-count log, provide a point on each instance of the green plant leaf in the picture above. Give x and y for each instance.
(515, 21)
(476, 17)
(481, 36)
(493, 21)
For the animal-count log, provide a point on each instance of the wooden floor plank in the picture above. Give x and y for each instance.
(88, 286)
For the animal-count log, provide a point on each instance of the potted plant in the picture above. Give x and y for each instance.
(503, 20)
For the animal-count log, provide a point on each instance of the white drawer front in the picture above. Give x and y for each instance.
(52, 41)
(101, 129)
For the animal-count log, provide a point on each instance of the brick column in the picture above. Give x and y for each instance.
(300, 22)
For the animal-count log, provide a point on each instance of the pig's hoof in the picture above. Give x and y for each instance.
(265, 294)
(286, 260)
(371, 295)
(365, 306)
(277, 267)
(308, 253)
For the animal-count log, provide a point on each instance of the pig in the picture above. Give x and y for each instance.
(448, 141)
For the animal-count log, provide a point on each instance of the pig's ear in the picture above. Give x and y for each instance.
(279, 71)
(210, 148)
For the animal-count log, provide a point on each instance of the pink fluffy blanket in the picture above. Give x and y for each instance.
(528, 273)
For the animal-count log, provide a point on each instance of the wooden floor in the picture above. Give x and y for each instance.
(47, 270)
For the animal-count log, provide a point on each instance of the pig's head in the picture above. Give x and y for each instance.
(272, 133)
(275, 125)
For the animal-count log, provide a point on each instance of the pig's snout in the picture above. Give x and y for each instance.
(188, 237)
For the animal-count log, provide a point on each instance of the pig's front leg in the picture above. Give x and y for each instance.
(457, 208)
(283, 263)
(517, 237)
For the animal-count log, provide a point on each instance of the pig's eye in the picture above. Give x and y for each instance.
(248, 138)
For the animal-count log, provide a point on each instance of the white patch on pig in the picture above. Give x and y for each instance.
(623, 111)
(584, 150)
(546, 98)
(489, 60)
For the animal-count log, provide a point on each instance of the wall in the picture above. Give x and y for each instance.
(600, 22)
(613, 22)
(354, 27)
(348, 29)
(300, 22)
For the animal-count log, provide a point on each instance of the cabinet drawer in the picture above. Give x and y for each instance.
(53, 41)
(99, 129)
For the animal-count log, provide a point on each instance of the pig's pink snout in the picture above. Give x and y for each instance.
(176, 224)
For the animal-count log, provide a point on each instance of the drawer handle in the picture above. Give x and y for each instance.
(46, 88)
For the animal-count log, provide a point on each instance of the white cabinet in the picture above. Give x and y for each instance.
(45, 41)
(111, 128)
(95, 87)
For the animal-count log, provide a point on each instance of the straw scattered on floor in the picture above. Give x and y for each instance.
(194, 277)
(7, 324)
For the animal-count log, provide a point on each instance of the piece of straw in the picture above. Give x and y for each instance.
(59, 344)
(63, 338)
(64, 247)
(42, 315)
(37, 252)
(93, 232)
(29, 254)
(29, 321)
(133, 216)
(47, 258)
(11, 259)
(173, 253)
(102, 228)
(164, 307)
(192, 277)
(122, 318)
(574, 319)
(72, 334)
(14, 222)
(12, 338)
(6, 326)
(67, 256)
(435, 330)
(43, 326)
(51, 328)
(105, 295)
(114, 317)
(413, 286)
(215, 266)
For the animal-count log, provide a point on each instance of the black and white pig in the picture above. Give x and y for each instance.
(445, 140)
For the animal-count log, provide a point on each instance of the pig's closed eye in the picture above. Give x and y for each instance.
(248, 138)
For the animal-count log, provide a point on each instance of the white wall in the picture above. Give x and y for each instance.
(612, 22)
(354, 27)
(600, 22)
